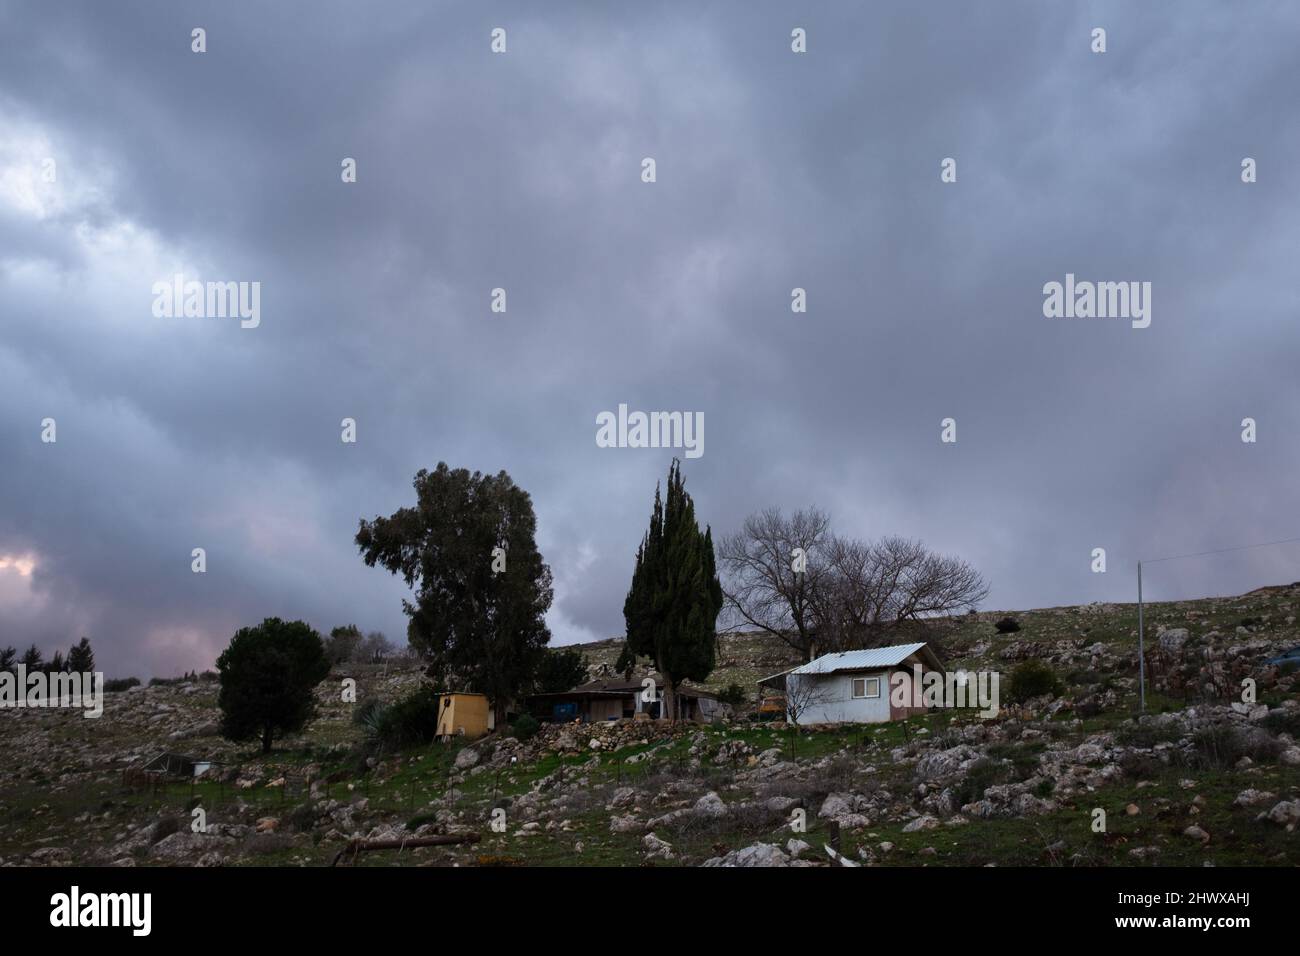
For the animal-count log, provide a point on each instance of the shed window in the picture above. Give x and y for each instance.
(866, 687)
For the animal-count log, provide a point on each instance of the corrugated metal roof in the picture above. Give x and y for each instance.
(860, 660)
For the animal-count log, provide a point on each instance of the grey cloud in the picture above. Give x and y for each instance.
(775, 171)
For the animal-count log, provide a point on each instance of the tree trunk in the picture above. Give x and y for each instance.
(669, 710)
(499, 714)
(266, 740)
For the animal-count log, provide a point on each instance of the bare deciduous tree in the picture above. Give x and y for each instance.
(803, 693)
(763, 589)
(872, 589)
(850, 593)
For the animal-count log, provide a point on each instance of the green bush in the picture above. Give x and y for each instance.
(734, 695)
(118, 684)
(1221, 746)
(1008, 625)
(1147, 734)
(186, 678)
(1023, 757)
(1283, 722)
(981, 775)
(411, 721)
(365, 711)
(303, 817)
(1032, 678)
(524, 727)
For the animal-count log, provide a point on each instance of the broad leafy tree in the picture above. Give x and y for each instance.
(561, 670)
(467, 548)
(343, 643)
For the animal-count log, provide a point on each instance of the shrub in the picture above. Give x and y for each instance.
(525, 727)
(1081, 677)
(1221, 746)
(734, 695)
(1283, 722)
(410, 721)
(173, 681)
(1032, 678)
(1023, 757)
(303, 817)
(264, 844)
(118, 684)
(164, 827)
(365, 711)
(1136, 765)
(1008, 625)
(1147, 734)
(420, 819)
(981, 775)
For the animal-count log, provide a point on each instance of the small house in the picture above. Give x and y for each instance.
(853, 687)
(616, 699)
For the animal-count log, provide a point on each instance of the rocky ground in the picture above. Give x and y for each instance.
(1202, 778)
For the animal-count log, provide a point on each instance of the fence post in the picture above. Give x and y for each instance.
(1142, 670)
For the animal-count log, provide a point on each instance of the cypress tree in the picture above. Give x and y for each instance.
(673, 603)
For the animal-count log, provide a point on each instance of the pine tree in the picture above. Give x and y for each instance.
(81, 659)
(269, 675)
(33, 660)
(55, 666)
(673, 603)
(7, 657)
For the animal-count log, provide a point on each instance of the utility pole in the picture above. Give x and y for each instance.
(1142, 667)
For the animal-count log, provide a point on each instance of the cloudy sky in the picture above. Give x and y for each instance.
(522, 170)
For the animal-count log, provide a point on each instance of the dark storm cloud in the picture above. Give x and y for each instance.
(522, 171)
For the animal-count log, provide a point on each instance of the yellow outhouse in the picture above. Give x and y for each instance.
(464, 715)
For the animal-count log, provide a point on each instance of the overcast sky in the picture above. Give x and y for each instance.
(523, 170)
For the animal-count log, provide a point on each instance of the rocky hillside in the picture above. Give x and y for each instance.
(1201, 778)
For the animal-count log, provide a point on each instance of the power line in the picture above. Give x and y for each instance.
(1221, 550)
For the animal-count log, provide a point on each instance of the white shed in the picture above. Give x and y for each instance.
(852, 687)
